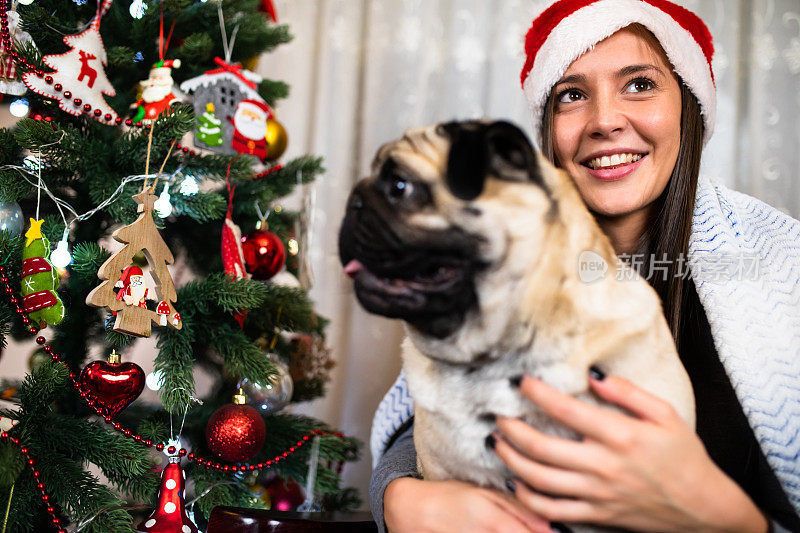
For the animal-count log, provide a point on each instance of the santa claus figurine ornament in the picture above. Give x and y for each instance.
(157, 95)
(250, 128)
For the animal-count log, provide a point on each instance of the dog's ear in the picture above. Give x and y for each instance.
(511, 155)
(477, 148)
(468, 159)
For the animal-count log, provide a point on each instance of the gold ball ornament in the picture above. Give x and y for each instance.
(251, 63)
(261, 494)
(277, 139)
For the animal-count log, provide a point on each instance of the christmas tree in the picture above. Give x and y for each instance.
(98, 175)
(208, 129)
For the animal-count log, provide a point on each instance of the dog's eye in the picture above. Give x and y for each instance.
(400, 188)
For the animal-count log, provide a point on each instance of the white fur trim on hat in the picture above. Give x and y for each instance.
(587, 26)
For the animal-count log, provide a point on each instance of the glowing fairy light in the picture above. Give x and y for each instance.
(19, 107)
(162, 205)
(60, 258)
(153, 380)
(138, 8)
(189, 186)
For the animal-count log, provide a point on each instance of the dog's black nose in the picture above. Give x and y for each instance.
(355, 202)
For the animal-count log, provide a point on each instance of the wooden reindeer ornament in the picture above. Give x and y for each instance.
(129, 303)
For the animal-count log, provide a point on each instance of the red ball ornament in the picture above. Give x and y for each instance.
(284, 494)
(236, 432)
(114, 385)
(264, 255)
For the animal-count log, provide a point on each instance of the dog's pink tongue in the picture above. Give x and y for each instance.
(353, 267)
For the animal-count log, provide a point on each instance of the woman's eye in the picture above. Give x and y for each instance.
(400, 188)
(640, 85)
(569, 95)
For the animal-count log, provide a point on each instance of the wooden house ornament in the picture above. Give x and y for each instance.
(129, 303)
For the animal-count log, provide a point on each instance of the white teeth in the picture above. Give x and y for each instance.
(613, 160)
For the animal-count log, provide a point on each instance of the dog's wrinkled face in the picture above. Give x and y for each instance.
(419, 232)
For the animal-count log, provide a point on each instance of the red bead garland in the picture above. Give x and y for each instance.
(208, 464)
(56, 521)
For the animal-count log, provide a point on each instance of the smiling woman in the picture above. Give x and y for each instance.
(623, 98)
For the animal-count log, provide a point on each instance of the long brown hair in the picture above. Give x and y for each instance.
(666, 235)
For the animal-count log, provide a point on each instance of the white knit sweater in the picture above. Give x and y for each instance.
(753, 308)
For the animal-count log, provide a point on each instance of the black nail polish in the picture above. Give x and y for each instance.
(491, 441)
(510, 485)
(559, 527)
(488, 417)
(515, 381)
(596, 373)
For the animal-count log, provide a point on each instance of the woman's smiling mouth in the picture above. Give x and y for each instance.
(615, 166)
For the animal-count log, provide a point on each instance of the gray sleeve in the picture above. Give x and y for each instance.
(399, 460)
(776, 527)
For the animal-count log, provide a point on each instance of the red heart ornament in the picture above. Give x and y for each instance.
(113, 385)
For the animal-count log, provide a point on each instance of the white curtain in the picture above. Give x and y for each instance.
(362, 71)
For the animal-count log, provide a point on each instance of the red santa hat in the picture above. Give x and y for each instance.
(130, 271)
(261, 105)
(568, 28)
(168, 63)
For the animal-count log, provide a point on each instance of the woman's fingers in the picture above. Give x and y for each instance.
(557, 509)
(542, 477)
(587, 419)
(638, 401)
(516, 517)
(563, 453)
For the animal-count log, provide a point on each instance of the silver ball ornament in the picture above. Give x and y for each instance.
(11, 219)
(274, 395)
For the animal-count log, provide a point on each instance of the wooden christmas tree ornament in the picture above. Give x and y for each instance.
(119, 271)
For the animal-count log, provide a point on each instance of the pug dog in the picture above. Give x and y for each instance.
(489, 255)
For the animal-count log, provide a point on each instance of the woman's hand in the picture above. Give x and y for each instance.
(417, 506)
(647, 473)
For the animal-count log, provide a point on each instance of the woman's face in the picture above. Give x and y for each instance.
(617, 122)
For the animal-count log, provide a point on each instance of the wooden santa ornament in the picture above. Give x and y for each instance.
(129, 303)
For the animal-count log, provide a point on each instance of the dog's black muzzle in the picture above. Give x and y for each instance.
(421, 276)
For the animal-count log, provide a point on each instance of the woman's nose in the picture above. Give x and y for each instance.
(606, 118)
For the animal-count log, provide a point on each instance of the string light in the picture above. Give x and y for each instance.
(19, 107)
(189, 186)
(138, 8)
(31, 163)
(60, 258)
(162, 205)
(153, 380)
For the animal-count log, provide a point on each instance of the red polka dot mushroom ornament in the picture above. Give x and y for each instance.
(170, 515)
